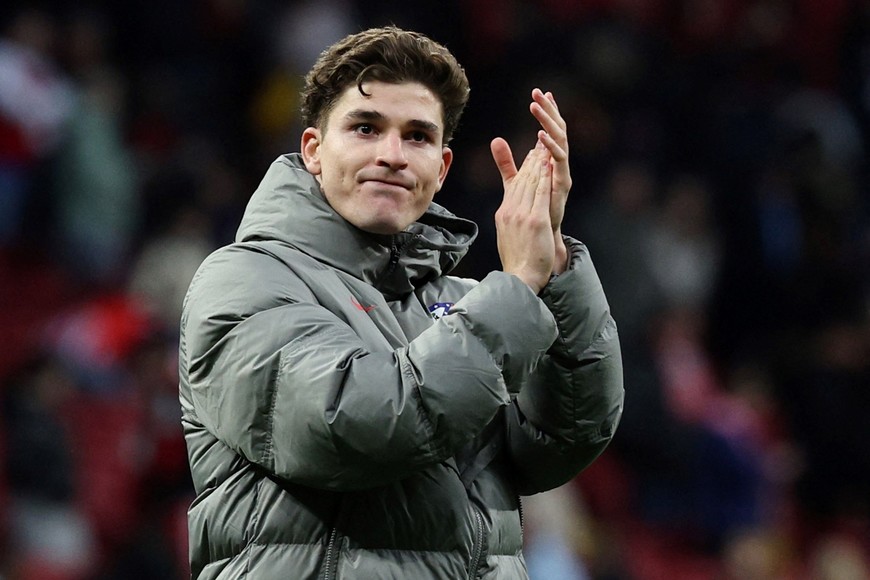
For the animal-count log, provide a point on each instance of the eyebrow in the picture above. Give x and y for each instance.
(369, 115)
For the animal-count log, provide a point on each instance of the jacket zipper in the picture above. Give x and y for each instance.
(520, 509)
(328, 565)
(477, 548)
(395, 251)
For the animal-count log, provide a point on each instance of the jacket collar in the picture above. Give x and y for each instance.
(289, 207)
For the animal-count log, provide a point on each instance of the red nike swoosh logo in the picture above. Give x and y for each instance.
(360, 306)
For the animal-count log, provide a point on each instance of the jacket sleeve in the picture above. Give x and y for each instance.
(568, 409)
(289, 386)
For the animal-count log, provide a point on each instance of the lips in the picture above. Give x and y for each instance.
(387, 180)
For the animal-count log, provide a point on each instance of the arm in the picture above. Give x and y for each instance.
(569, 409)
(289, 386)
(569, 406)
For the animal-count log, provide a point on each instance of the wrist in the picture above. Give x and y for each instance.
(533, 280)
(560, 263)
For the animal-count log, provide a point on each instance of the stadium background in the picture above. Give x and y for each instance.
(719, 153)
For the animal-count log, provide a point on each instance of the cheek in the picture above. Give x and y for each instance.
(431, 162)
(333, 178)
(435, 180)
(332, 188)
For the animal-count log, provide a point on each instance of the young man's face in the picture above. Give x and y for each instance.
(379, 158)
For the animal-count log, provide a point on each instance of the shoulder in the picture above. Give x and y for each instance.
(244, 278)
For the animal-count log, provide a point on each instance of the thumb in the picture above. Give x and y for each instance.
(504, 158)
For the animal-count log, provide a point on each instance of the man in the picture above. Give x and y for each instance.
(350, 409)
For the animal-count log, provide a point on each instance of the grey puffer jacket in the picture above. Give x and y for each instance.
(336, 429)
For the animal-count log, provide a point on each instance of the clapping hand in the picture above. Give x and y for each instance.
(529, 220)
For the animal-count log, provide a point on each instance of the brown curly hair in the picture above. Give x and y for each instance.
(390, 55)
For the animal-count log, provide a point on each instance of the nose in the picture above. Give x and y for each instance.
(391, 151)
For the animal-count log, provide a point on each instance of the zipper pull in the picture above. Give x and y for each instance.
(394, 256)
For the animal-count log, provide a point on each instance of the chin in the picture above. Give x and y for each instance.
(382, 227)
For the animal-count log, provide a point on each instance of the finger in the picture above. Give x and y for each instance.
(543, 191)
(518, 189)
(544, 108)
(554, 125)
(548, 104)
(528, 189)
(504, 158)
(558, 152)
(552, 99)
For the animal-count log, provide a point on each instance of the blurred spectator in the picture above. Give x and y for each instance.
(94, 339)
(297, 34)
(618, 228)
(97, 203)
(149, 479)
(166, 264)
(839, 558)
(826, 396)
(721, 487)
(48, 537)
(759, 554)
(36, 101)
(96, 200)
(557, 532)
(683, 249)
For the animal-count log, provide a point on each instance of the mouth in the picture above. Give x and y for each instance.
(388, 181)
(390, 184)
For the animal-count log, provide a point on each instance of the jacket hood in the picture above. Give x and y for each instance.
(289, 207)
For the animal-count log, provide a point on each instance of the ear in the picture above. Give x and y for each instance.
(310, 149)
(446, 160)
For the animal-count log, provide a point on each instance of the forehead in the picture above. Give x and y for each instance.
(396, 102)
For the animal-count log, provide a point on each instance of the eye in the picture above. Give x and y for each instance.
(419, 137)
(364, 129)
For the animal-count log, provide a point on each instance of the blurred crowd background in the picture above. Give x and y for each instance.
(719, 156)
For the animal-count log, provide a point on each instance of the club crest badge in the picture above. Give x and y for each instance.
(439, 309)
